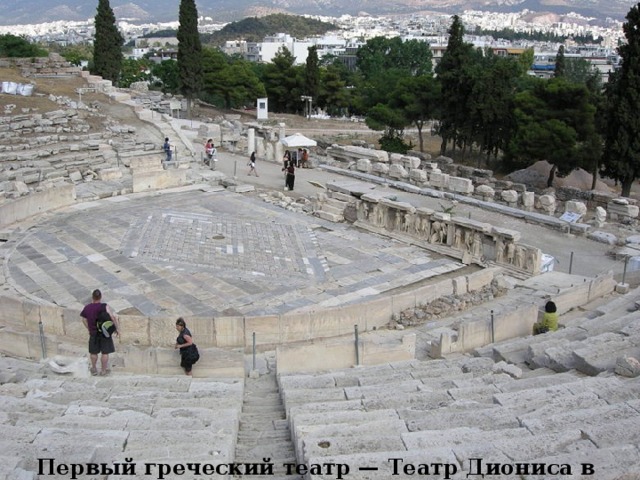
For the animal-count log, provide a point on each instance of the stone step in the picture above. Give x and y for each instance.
(331, 217)
(264, 430)
(592, 356)
(273, 434)
(596, 358)
(384, 389)
(542, 381)
(609, 323)
(354, 417)
(321, 446)
(483, 416)
(266, 446)
(311, 395)
(307, 381)
(418, 401)
(332, 210)
(342, 197)
(390, 427)
(515, 350)
(318, 407)
(592, 417)
(264, 410)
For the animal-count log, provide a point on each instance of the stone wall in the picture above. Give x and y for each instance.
(341, 353)
(36, 203)
(512, 323)
(52, 66)
(63, 331)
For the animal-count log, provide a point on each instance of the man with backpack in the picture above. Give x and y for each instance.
(102, 324)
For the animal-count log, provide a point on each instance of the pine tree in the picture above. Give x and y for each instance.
(621, 156)
(107, 46)
(189, 52)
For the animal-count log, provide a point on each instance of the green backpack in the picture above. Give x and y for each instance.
(104, 323)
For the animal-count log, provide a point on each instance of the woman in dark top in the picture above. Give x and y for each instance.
(188, 350)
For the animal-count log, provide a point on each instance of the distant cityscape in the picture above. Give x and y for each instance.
(353, 31)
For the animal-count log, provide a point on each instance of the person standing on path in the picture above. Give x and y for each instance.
(98, 343)
(188, 351)
(290, 176)
(167, 149)
(252, 165)
(210, 151)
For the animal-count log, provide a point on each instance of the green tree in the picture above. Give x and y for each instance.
(418, 99)
(229, 81)
(312, 74)
(559, 70)
(525, 60)
(77, 53)
(490, 104)
(189, 52)
(333, 96)
(107, 45)
(17, 47)
(383, 117)
(554, 121)
(134, 71)
(385, 66)
(579, 70)
(166, 76)
(283, 82)
(621, 156)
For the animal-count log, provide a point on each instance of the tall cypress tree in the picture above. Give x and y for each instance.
(454, 84)
(189, 52)
(621, 156)
(107, 46)
(312, 73)
(560, 67)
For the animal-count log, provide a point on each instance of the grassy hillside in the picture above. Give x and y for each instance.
(254, 29)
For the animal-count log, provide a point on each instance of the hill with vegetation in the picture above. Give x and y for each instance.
(254, 29)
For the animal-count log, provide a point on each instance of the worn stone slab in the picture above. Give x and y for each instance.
(427, 400)
(321, 407)
(345, 418)
(599, 354)
(328, 446)
(598, 416)
(307, 381)
(244, 188)
(487, 418)
(621, 432)
(451, 437)
(476, 393)
(382, 388)
(349, 187)
(302, 396)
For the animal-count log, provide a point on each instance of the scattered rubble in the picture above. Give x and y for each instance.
(447, 305)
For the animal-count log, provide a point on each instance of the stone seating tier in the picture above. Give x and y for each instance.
(133, 416)
(540, 417)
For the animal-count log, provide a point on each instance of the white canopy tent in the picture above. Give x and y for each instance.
(298, 140)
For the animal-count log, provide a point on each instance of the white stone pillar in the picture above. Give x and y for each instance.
(251, 141)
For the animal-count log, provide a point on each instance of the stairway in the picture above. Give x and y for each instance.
(264, 431)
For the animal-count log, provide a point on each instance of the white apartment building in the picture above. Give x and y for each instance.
(266, 50)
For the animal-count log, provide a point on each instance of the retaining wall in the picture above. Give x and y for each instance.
(20, 322)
